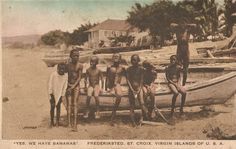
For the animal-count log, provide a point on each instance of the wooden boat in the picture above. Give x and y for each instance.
(109, 50)
(223, 53)
(228, 50)
(213, 91)
(55, 57)
(198, 61)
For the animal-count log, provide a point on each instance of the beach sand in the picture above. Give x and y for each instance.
(26, 114)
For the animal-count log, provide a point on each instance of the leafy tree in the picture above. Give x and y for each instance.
(184, 12)
(230, 8)
(208, 16)
(155, 17)
(79, 36)
(53, 37)
(203, 13)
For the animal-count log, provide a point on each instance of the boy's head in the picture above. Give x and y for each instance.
(116, 58)
(173, 59)
(93, 61)
(74, 54)
(135, 59)
(61, 68)
(147, 65)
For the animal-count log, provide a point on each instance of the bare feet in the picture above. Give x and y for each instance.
(153, 115)
(134, 124)
(182, 115)
(86, 114)
(57, 124)
(51, 125)
(97, 115)
(112, 123)
(74, 128)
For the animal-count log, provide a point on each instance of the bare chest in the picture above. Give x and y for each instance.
(116, 70)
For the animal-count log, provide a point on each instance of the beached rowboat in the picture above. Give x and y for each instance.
(213, 91)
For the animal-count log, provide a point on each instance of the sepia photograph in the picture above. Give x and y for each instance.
(94, 73)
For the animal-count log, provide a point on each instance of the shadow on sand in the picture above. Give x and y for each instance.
(124, 119)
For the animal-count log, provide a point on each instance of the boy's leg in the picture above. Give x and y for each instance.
(183, 59)
(65, 103)
(142, 104)
(58, 106)
(152, 97)
(89, 95)
(149, 91)
(52, 108)
(69, 109)
(183, 94)
(96, 96)
(145, 92)
(176, 93)
(132, 106)
(76, 98)
(118, 94)
(185, 69)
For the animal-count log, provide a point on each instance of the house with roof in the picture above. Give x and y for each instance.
(107, 29)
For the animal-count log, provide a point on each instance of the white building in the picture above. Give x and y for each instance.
(106, 29)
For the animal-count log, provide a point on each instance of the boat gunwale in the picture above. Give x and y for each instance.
(192, 87)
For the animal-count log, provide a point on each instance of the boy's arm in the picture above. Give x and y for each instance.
(102, 79)
(180, 70)
(65, 86)
(63, 95)
(123, 71)
(128, 82)
(154, 75)
(85, 79)
(174, 27)
(192, 25)
(63, 99)
(191, 28)
(50, 86)
(107, 80)
(142, 75)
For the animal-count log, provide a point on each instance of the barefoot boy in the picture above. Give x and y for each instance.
(113, 81)
(74, 76)
(182, 32)
(57, 91)
(134, 76)
(94, 76)
(173, 77)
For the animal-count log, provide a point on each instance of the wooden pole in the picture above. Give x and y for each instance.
(210, 54)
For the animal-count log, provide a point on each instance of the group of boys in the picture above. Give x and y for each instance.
(65, 87)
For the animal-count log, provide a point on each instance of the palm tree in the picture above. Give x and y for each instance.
(207, 17)
(229, 10)
(155, 18)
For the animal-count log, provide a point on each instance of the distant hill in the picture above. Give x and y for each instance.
(26, 39)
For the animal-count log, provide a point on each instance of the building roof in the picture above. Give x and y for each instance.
(110, 24)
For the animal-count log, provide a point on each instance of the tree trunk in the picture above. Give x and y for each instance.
(162, 36)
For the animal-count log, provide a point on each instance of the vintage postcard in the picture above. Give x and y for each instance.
(118, 73)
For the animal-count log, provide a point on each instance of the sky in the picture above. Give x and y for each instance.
(25, 17)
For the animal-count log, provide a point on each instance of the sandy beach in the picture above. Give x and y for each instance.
(26, 114)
